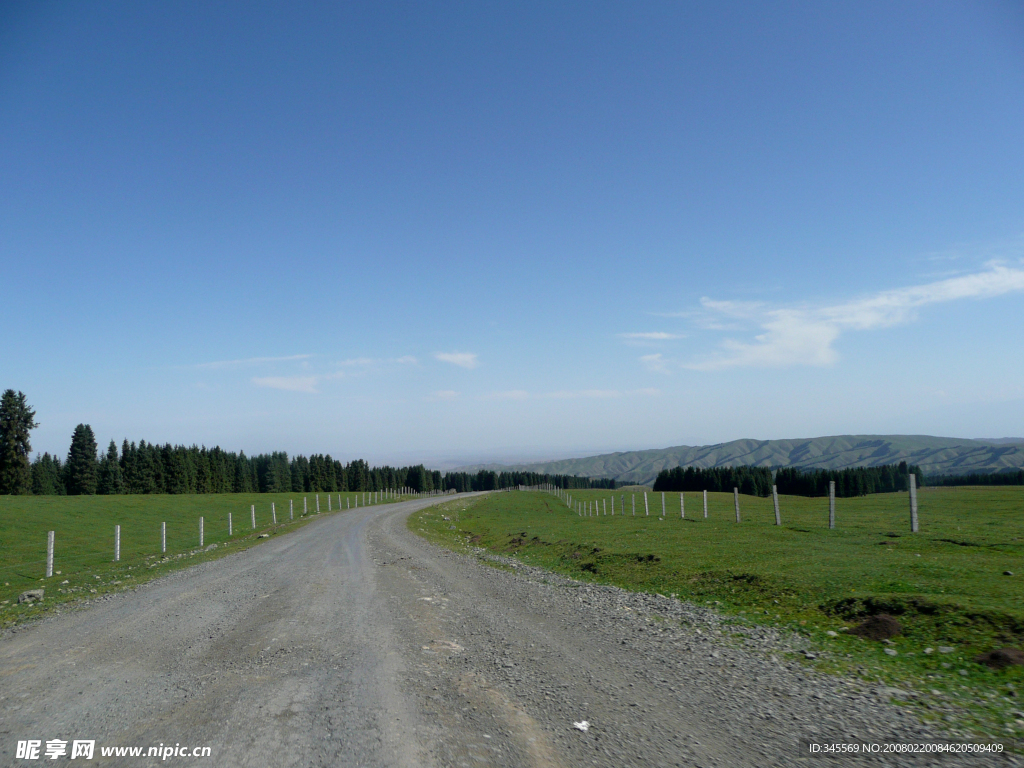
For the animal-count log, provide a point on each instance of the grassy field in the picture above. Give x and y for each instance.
(84, 538)
(945, 584)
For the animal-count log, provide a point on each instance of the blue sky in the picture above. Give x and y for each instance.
(467, 231)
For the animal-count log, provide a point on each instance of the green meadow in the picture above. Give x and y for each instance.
(945, 584)
(84, 538)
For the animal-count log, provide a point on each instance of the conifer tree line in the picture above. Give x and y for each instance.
(1012, 477)
(791, 481)
(488, 480)
(151, 468)
(855, 481)
(752, 481)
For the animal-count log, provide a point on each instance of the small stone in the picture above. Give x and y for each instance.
(264, 536)
(1007, 573)
(31, 595)
(832, 633)
(891, 651)
(929, 651)
(963, 672)
(898, 693)
(946, 649)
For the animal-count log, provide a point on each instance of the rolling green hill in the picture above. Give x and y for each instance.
(935, 456)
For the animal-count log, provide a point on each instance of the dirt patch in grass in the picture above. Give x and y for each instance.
(1001, 658)
(880, 627)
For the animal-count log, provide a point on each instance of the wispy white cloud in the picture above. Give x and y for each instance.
(251, 361)
(289, 383)
(645, 392)
(651, 336)
(461, 359)
(366, 364)
(806, 335)
(570, 394)
(512, 394)
(655, 363)
(444, 394)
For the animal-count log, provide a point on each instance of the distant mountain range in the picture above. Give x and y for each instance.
(935, 456)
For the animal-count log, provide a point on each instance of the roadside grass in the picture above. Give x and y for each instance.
(945, 584)
(84, 539)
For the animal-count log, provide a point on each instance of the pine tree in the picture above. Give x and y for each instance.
(82, 468)
(46, 476)
(17, 419)
(110, 473)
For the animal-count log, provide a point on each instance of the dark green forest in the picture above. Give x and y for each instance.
(757, 481)
(149, 468)
(1011, 477)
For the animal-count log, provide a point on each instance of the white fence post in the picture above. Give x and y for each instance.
(252, 512)
(913, 502)
(291, 510)
(318, 503)
(736, 500)
(662, 503)
(647, 509)
(328, 502)
(347, 504)
(682, 508)
(49, 554)
(775, 501)
(273, 512)
(831, 504)
(705, 505)
(117, 543)
(201, 538)
(305, 507)
(604, 505)
(633, 495)
(163, 537)
(231, 530)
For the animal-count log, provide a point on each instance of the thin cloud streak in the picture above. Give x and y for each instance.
(654, 363)
(444, 394)
(367, 362)
(461, 359)
(288, 383)
(651, 336)
(512, 394)
(794, 336)
(250, 361)
(599, 393)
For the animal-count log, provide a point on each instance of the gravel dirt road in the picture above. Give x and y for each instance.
(352, 642)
